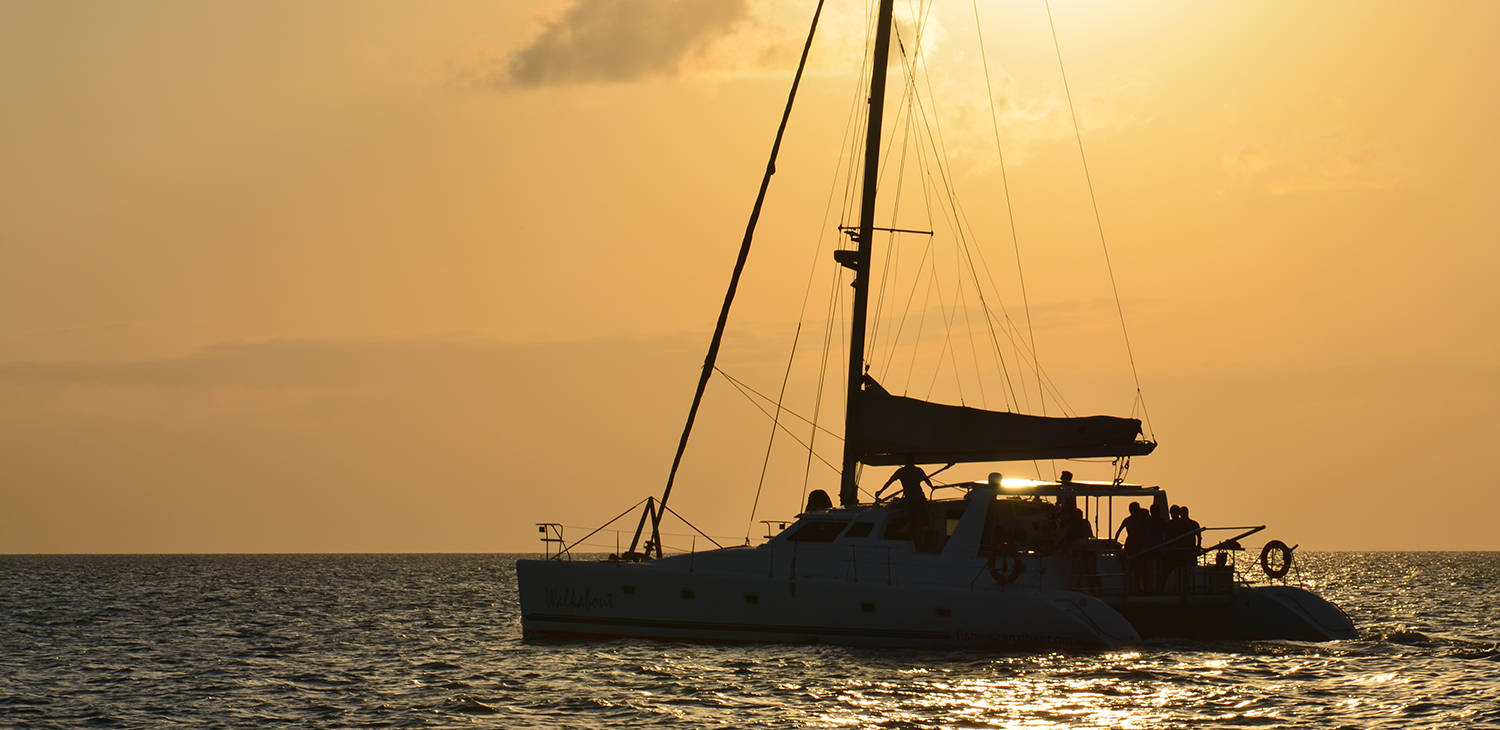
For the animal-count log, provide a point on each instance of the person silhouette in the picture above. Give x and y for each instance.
(911, 477)
(1141, 534)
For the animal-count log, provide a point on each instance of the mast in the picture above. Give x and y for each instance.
(849, 487)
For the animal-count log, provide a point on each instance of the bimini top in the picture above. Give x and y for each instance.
(894, 428)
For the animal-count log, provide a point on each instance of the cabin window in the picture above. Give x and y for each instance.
(628, 590)
(687, 595)
(818, 531)
(752, 598)
(898, 527)
(944, 612)
(860, 529)
(1023, 523)
(867, 607)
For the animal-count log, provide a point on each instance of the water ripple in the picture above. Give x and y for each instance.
(434, 641)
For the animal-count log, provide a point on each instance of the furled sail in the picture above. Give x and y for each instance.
(893, 428)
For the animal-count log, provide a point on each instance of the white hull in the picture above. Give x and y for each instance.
(860, 590)
(669, 600)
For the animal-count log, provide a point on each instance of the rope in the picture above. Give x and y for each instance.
(1098, 221)
(775, 421)
(740, 383)
(812, 439)
(742, 389)
(1009, 210)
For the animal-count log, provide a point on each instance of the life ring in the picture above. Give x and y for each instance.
(1005, 549)
(1286, 558)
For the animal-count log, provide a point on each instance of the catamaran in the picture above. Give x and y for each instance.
(1002, 564)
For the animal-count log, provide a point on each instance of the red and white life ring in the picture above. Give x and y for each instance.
(1007, 551)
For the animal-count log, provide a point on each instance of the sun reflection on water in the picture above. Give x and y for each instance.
(1119, 690)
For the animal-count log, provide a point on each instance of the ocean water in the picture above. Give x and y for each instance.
(435, 641)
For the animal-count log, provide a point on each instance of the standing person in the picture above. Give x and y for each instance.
(1190, 525)
(1138, 533)
(1075, 538)
(1192, 547)
(1157, 534)
(911, 477)
(1179, 552)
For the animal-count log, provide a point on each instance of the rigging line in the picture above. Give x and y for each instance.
(1010, 326)
(830, 322)
(940, 149)
(956, 226)
(923, 177)
(1098, 220)
(851, 130)
(852, 126)
(968, 256)
(851, 171)
(1009, 210)
(695, 528)
(1019, 347)
(973, 350)
(911, 368)
(781, 426)
(909, 71)
(775, 421)
(888, 270)
(908, 94)
(827, 208)
(959, 226)
(767, 399)
(850, 142)
(600, 528)
(734, 281)
(901, 325)
(911, 65)
(947, 344)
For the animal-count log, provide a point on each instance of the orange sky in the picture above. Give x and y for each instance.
(349, 277)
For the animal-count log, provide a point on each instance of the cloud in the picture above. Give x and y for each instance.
(1029, 116)
(622, 41)
(611, 41)
(1308, 162)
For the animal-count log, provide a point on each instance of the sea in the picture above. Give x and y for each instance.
(353, 641)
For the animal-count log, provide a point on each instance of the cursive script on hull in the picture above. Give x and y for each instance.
(571, 598)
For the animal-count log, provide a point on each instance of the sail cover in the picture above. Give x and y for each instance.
(893, 428)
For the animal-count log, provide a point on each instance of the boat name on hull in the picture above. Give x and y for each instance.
(571, 598)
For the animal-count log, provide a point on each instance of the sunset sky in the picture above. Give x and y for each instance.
(410, 277)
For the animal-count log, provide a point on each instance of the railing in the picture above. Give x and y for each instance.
(610, 541)
(552, 533)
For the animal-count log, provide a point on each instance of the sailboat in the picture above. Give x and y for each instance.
(999, 566)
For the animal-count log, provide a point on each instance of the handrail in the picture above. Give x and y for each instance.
(1233, 542)
(1163, 545)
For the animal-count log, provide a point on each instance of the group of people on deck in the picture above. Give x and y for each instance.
(1157, 543)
